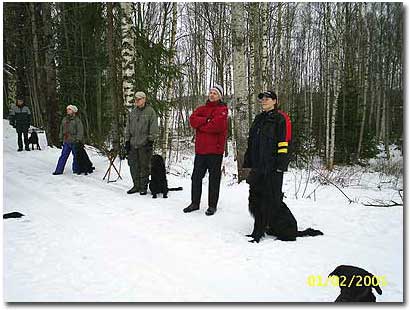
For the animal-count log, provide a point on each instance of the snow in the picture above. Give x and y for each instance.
(85, 240)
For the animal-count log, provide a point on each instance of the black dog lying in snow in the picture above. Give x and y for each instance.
(33, 140)
(12, 215)
(84, 163)
(158, 183)
(353, 288)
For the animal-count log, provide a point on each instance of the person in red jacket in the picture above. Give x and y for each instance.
(210, 122)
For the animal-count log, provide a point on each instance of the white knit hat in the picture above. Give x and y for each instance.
(72, 108)
(219, 89)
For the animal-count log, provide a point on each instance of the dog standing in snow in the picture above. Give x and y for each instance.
(33, 140)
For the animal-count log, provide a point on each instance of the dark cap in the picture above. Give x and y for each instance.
(268, 94)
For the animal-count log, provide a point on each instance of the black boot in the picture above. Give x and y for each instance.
(210, 211)
(191, 207)
(20, 149)
(27, 148)
(133, 190)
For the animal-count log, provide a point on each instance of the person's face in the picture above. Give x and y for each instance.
(268, 104)
(140, 102)
(70, 112)
(19, 102)
(213, 96)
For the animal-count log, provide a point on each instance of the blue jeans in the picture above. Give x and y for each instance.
(67, 149)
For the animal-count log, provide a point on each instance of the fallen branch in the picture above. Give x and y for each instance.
(380, 203)
(327, 179)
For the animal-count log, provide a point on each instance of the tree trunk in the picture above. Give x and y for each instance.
(113, 78)
(277, 53)
(170, 82)
(127, 54)
(366, 60)
(239, 80)
(52, 124)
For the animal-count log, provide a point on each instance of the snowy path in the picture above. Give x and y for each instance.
(85, 240)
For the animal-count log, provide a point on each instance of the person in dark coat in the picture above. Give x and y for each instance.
(71, 134)
(20, 119)
(268, 157)
(210, 122)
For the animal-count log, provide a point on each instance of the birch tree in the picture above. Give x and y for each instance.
(127, 54)
(239, 80)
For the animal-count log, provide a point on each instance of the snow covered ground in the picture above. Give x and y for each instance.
(86, 240)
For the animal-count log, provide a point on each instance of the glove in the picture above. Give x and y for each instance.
(123, 152)
(77, 145)
(150, 143)
(254, 177)
(127, 146)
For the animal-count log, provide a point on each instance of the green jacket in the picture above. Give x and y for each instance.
(71, 129)
(142, 126)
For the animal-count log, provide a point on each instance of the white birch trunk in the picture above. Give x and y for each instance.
(336, 89)
(336, 57)
(365, 82)
(239, 81)
(127, 53)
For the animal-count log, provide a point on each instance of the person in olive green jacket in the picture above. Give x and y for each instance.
(140, 133)
(71, 134)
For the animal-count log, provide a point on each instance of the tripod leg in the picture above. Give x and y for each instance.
(108, 172)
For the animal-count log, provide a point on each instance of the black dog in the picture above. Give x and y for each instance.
(352, 283)
(281, 224)
(12, 215)
(277, 221)
(33, 139)
(84, 164)
(158, 183)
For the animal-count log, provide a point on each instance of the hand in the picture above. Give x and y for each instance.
(150, 143)
(77, 145)
(127, 146)
(253, 177)
(208, 119)
(279, 170)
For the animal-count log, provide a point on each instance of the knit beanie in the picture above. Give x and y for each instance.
(72, 108)
(219, 89)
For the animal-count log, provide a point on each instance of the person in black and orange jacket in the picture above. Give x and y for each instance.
(268, 156)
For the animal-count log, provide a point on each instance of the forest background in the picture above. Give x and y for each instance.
(337, 69)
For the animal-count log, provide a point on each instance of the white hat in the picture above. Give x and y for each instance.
(72, 108)
(219, 89)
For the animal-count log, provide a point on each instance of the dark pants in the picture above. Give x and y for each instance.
(139, 161)
(202, 163)
(265, 198)
(20, 134)
(65, 152)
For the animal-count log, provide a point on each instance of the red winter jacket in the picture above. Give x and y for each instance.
(211, 124)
